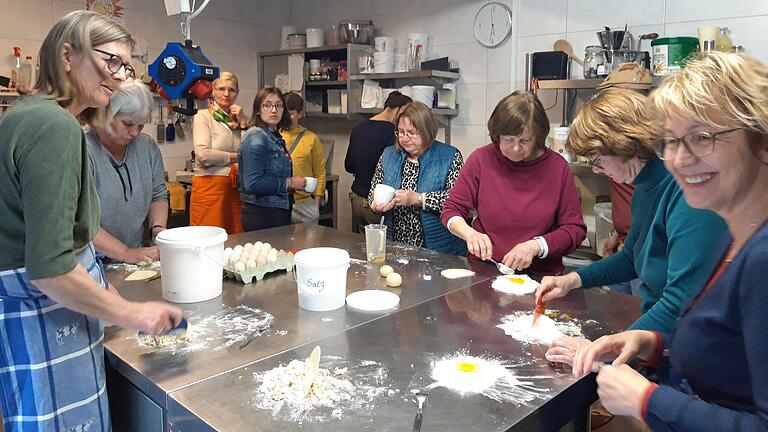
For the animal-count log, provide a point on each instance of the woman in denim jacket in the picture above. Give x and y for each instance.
(266, 182)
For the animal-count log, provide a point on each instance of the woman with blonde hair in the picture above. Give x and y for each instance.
(423, 171)
(715, 144)
(54, 297)
(528, 212)
(667, 245)
(216, 138)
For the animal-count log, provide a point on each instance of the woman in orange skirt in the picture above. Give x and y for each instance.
(216, 137)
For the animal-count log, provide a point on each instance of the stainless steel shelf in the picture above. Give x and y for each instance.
(308, 50)
(435, 111)
(325, 83)
(407, 75)
(325, 115)
(583, 83)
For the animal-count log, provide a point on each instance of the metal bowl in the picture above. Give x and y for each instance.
(357, 32)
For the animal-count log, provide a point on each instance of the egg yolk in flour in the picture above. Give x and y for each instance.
(467, 367)
(516, 280)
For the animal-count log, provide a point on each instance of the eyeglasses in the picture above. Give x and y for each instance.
(698, 144)
(115, 63)
(409, 135)
(270, 106)
(594, 162)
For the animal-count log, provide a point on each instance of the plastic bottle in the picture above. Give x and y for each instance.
(15, 71)
(724, 43)
(170, 129)
(25, 74)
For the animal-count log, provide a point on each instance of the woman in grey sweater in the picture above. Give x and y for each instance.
(130, 178)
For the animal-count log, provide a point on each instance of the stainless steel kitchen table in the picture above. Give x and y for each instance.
(404, 344)
(141, 378)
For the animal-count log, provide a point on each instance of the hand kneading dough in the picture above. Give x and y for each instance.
(385, 270)
(394, 280)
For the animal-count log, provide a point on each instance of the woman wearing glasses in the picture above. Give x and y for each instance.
(528, 212)
(53, 295)
(423, 171)
(669, 246)
(266, 181)
(716, 147)
(215, 200)
(128, 171)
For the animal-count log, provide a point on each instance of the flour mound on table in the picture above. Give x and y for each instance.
(517, 284)
(490, 377)
(286, 385)
(520, 326)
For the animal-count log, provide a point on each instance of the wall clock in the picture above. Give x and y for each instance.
(493, 24)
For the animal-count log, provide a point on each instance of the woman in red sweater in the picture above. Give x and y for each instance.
(528, 212)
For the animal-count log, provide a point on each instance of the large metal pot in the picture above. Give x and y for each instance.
(358, 32)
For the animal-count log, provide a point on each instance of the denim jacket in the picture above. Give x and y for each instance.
(264, 166)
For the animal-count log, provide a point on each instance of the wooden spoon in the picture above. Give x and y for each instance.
(565, 46)
(311, 368)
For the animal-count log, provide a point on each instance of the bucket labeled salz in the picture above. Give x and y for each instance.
(191, 263)
(321, 278)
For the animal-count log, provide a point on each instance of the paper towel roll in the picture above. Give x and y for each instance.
(383, 62)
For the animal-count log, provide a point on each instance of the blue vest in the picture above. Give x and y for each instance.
(434, 166)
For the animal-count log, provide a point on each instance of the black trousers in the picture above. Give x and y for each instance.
(256, 217)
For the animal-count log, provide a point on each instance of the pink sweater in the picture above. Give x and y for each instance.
(516, 201)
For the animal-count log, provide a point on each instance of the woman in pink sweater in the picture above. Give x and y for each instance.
(528, 212)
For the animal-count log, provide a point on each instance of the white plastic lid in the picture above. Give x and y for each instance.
(321, 257)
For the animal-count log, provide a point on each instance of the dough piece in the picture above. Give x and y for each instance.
(456, 273)
(394, 280)
(386, 270)
(140, 275)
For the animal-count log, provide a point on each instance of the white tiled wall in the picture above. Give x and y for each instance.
(231, 32)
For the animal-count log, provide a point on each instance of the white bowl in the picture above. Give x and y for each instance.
(382, 194)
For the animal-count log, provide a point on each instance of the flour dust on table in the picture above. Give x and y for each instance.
(301, 392)
(217, 331)
(471, 375)
(519, 326)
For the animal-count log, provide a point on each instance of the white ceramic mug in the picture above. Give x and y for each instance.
(311, 185)
(382, 194)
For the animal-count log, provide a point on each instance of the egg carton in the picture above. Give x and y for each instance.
(284, 262)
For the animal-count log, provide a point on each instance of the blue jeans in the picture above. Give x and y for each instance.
(629, 287)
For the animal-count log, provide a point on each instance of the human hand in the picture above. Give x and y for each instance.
(480, 245)
(405, 198)
(155, 317)
(611, 245)
(382, 208)
(621, 390)
(521, 256)
(564, 349)
(140, 255)
(298, 183)
(553, 287)
(627, 344)
(235, 111)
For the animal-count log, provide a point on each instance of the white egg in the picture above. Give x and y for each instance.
(251, 264)
(239, 266)
(261, 260)
(267, 246)
(385, 270)
(238, 249)
(248, 245)
(227, 253)
(244, 258)
(394, 280)
(272, 256)
(258, 244)
(235, 257)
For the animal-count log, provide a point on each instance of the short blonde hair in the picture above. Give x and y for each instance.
(82, 30)
(227, 76)
(421, 118)
(617, 122)
(722, 90)
(516, 113)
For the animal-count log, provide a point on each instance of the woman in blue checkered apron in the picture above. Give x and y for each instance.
(53, 293)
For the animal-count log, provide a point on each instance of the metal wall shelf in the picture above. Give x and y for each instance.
(325, 83)
(408, 75)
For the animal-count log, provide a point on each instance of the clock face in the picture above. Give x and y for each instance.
(493, 24)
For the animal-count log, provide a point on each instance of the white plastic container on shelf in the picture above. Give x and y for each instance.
(334, 102)
(424, 94)
(315, 37)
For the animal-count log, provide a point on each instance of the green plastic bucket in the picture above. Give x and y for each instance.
(670, 54)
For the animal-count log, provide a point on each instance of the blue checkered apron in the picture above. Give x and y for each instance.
(51, 358)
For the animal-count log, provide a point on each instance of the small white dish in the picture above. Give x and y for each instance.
(373, 300)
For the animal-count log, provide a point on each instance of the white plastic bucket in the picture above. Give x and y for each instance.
(321, 277)
(424, 94)
(191, 262)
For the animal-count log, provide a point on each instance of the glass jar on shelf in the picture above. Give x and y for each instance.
(594, 57)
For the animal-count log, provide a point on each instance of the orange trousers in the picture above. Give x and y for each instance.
(215, 202)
